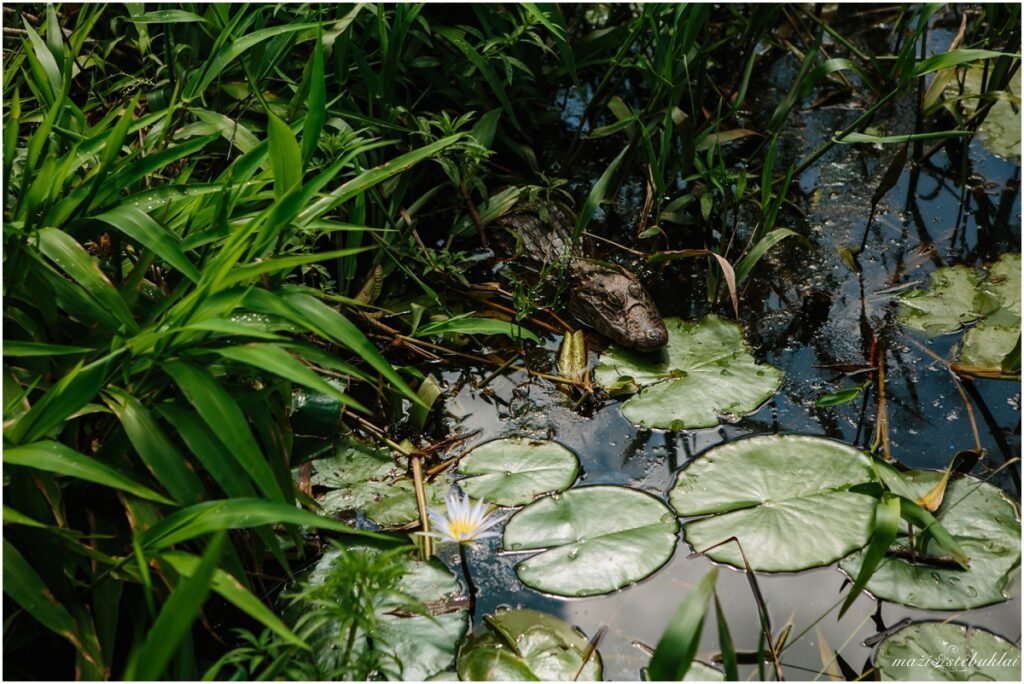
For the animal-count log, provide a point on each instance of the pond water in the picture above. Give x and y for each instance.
(804, 311)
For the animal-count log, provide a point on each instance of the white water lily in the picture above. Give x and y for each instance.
(464, 522)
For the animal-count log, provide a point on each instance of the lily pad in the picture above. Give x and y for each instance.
(986, 524)
(526, 645)
(784, 497)
(592, 540)
(514, 471)
(947, 305)
(704, 372)
(413, 645)
(945, 651)
(361, 478)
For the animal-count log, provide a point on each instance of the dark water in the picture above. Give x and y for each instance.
(804, 308)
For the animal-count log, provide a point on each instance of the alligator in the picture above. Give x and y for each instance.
(537, 235)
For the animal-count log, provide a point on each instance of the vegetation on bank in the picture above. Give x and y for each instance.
(209, 211)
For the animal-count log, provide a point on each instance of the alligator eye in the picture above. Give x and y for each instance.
(616, 299)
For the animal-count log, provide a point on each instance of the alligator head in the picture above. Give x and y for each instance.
(613, 302)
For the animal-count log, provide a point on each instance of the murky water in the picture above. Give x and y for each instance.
(803, 309)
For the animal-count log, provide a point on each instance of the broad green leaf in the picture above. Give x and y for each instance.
(251, 272)
(56, 458)
(316, 104)
(237, 514)
(984, 522)
(784, 497)
(747, 263)
(19, 349)
(843, 396)
(233, 591)
(166, 17)
(45, 59)
(24, 585)
(273, 359)
(162, 458)
(515, 471)
(230, 51)
(477, 326)
(678, 644)
(457, 37)
(285, 156)
(947, 305)
(225, 418)
(229, 129)
(72, 258)
(526, 645)
(173, 623)
(597, 195)
(955, 58)
(703, 373)
(591, 540)
(886, 527)
(854, 138)
(137, 225)
(946, 651)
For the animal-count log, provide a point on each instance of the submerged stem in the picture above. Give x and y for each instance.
(470, 587)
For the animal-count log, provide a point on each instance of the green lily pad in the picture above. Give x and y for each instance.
(947, 305)
(1000, 132)
(783, 496)
(704, 372)
(361, 478)
(514, 471)
(957, 297)
(592, 540)
(986, 524)
(526, 645)
(702, 672)
(413, 646)
(945, 651)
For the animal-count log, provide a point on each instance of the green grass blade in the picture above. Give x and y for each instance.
(56, 458)
(378, 174)
(956, 58)
(250, 272)
(46, 60)
(72, 258)
(285, 156)
(69, 394)
(855, 138)
(597, 195)
(227, 586)
(208, 449)
(886, 527)
(24, 585)
(316, 104)
(237, 514)
(750, 259)
(140, 227)
(176, 616)
(457, 37)
(230, 51)
(15, 348)
(678, 644)
(161, 457)
(477, 326)
(273, 359)
(327, 322)
(225, 418)
(726, 645)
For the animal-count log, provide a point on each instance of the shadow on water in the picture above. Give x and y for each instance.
(806, 312)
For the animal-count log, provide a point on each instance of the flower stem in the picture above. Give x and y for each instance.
(470, 587)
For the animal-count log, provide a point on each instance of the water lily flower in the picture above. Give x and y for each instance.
(464, 521)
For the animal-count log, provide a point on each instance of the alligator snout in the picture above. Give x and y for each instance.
(613, 302)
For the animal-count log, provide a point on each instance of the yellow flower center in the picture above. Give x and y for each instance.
(462, 529)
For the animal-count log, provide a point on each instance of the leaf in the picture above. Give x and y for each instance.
(251, 272)
(843, 396)
(516, 470)
(273, 359)
(457, 38)
(526, 645)
(56, 458)
(935, 651)
(226, 419)
(166, 17)
(235, 593)
(955, 58)
(946, 307)
(678, 645)
(27, 589)
(236, 514)
(285, 156)
(592, 540)
(761, 490)
(704, 372)
(572, 357)
(177, 614)
(316, 104)
(20, 349)
(596, 196)
(985, 524)
(161, 457)
(886, 527)
(477, 326)
(854, 138)
(750, 259)
(72, 258)
(140, 227)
